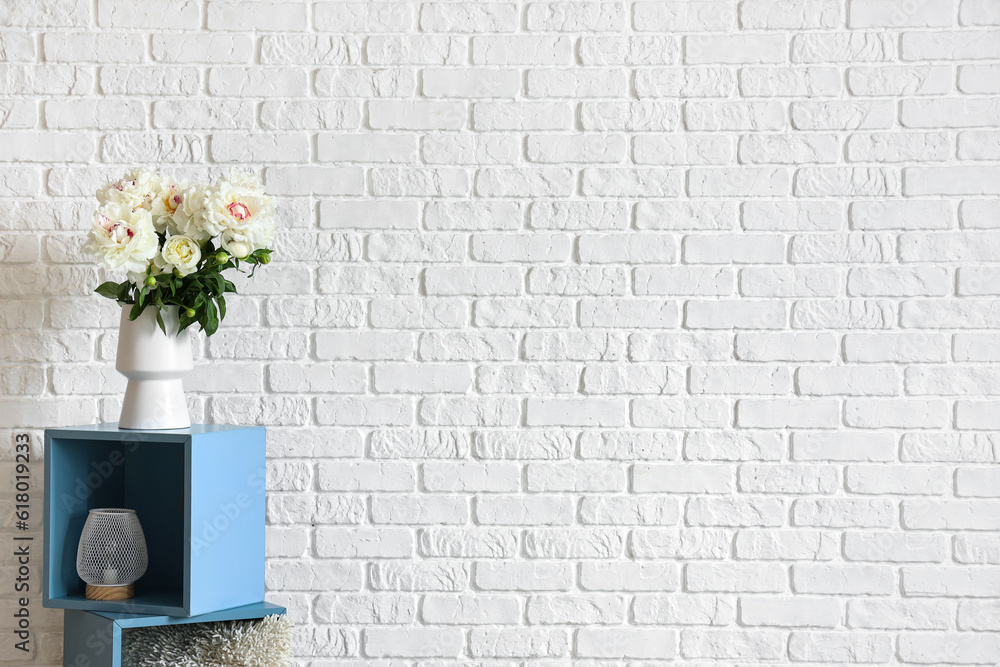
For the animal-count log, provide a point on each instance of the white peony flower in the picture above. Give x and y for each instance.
(167, 198)
(123, 237)
(244, 179)
(239, 214)
(136, 189)
(180, 253)
(240, 243)
(189, 216)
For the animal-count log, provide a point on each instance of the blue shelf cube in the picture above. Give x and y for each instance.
(94, 638)
(199, 495)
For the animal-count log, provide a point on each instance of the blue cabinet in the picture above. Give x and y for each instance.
(199, 495)
(95, 638)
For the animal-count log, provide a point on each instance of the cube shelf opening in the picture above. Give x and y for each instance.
(199, 495)
(95, 638)
(147, 477)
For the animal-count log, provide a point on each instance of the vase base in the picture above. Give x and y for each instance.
(154, 405)
(110, 593)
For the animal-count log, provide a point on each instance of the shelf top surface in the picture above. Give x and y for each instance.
(111, 430)
(157, 602)
(256, 610)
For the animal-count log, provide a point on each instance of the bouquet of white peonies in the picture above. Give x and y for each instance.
(175, 239)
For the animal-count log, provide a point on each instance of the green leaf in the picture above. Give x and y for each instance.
(211, 323)
(142, 294)
(108, 290)
(136, 311)
(222, 307)
(159, 320)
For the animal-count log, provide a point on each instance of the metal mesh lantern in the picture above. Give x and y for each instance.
(112, 554)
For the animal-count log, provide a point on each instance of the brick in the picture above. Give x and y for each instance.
(211, 48)
(734, 644)
(583, 148)
(907, 80)
(779, 544)
(515, 50)
(542, 444)
(949, 45)
(914, 214)
(632, 643)
(853, 46)
(524, 576)
(782, 82)
(416, 50)
(264, 16)
(600, 576)
(896, 547)
(789, 14)
(470, 149)
(843, 579)
(482, 17)
(779, 149)
(354, 17)
(418, 642)
(840, 647)
(847, 115)
(731, 182)
(887, 14)
(735, 49)
(470, 609)
(927, 647)
(734, 512)
(471, 83)
(640, 116)
(574, 17)
(788, 479)
(575, 83)
(425, 115)
(640, 50)
(683, 610)
(735, 578)
(734, 314)
(782, 413)
(791, 216)
(937, 581)
(518, 643)
(853, 446)
(734, 116)
(790, 612)
(785, 347)
(977, 78)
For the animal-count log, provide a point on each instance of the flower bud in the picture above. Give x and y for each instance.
(190, 312)
(265, 259)
(150, 281)
(238, 249)
(221, 257)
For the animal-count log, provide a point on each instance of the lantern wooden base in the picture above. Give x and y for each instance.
(110, 592)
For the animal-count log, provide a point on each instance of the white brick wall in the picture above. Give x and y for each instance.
(605, 331)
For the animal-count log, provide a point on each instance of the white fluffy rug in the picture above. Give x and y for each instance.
(265, 642)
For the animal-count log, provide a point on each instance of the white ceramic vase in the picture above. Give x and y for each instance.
(154, 364)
